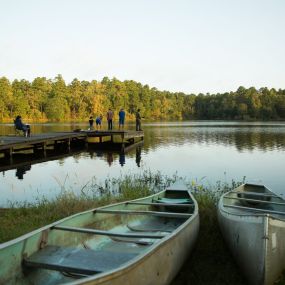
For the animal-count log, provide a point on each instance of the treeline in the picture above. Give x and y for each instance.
(53, 100)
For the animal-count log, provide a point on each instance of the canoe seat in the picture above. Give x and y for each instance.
(173, 201)
(77, 260)
(253, 199)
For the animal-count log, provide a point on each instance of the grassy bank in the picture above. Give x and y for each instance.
(209, 263)
(19, 219)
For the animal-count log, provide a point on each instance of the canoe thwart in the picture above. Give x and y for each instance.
(254, 200)
(255, 209)
(153, 213)
(173, 200)
(107, 233)
(254, 193)
(77, 260)
(160, 204)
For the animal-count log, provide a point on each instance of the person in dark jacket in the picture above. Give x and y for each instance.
(19, 125)
(138, 120)
(91, 122)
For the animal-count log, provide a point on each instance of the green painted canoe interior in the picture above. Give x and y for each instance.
(58, 256)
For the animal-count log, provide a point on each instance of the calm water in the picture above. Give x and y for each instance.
(204, 151)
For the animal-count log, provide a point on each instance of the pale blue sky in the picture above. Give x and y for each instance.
(180, 45)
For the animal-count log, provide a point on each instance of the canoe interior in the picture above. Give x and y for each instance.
(254, 198)
(63, 252)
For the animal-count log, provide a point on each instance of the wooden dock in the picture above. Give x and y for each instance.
(43, 141)
(122, 139)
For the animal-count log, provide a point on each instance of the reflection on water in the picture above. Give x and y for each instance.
(21, 170)
(200, 151)
(138, 155)
(243, 138)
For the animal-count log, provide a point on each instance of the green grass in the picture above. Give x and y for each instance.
(23, 218)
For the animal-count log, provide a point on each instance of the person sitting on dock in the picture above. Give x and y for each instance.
(91, 121)
(122, 115)
(19, 125)
(98, 122)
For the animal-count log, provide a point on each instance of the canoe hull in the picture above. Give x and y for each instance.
(256, 242)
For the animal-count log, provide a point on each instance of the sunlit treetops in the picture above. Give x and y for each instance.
(53, 100)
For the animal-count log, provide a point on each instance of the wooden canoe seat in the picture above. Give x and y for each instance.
(77, 260)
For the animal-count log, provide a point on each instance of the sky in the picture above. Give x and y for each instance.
(190, 46)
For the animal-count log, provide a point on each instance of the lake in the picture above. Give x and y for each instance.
(202, 151)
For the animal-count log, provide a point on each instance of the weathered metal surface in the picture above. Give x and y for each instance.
(256, 239)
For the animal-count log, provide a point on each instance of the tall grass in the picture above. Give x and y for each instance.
(21, 218)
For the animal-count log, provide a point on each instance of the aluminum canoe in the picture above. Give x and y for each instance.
(252, 221)
(142, 242)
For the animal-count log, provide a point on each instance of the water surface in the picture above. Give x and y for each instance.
(202, 151)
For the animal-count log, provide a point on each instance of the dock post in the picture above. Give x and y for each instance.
(68, 144)
(9, 154)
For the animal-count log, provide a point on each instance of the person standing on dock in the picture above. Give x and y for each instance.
(110, 116)
(98, 122)
(138, 120)
(91, 121)
(122, 115)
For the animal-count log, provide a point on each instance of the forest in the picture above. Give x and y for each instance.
(45, 100)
